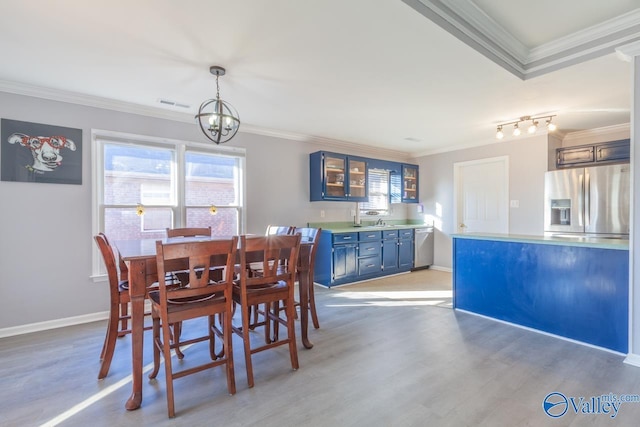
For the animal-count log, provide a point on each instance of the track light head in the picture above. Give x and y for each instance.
(516, 130)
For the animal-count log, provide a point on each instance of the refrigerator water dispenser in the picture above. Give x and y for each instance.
(561, 211)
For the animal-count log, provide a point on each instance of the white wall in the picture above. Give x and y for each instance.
(527, 165)
(46, 244)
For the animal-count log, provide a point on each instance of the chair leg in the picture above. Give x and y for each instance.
(267, 323)
(156, 347)
(291, 334)
(109, 341)
(124, 311)
(312, 306)
(276, 324)
(228, 351)
(168, 370)
(247, 345)
(255, 311)
(177, 331)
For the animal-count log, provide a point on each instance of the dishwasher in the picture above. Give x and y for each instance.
(423, 251)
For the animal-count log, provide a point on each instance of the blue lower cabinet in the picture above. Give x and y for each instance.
(577, 292)
(345, 261)
(405, 254)
(349, 257)
(390, 255)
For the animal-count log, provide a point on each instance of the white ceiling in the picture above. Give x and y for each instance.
(372, 72)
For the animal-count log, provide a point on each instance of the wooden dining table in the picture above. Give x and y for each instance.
(140, 257)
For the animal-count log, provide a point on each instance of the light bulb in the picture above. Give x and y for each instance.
(499, 133)
(551, 126)
(516, 130)
(533, 127)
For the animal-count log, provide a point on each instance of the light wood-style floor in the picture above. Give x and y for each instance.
(378, 360)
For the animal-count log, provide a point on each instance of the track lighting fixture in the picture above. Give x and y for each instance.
(532, 128)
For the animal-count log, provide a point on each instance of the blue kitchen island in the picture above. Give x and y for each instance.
(575, 287)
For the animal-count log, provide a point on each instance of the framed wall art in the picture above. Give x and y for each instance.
(34, 152)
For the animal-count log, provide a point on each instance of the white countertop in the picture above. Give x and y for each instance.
(583, 241)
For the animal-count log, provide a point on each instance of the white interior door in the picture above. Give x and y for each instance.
(481, 195)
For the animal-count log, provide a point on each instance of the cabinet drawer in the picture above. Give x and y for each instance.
(369, 248)
(406, 234)
(390, 234)
(369, 265)
(345, 237)
(366, 236)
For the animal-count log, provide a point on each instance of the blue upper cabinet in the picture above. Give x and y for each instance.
(409, 190)
(338, 177)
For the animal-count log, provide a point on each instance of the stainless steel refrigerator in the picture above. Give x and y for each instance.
(592, 201)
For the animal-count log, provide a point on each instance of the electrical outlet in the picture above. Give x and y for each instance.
(321, 214)
(514, 203)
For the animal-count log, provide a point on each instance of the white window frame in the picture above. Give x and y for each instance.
(366, 207)
(100, 137)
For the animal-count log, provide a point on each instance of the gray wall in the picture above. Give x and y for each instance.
(527, 165)
(46, 244)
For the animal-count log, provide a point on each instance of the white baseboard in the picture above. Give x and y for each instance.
(633, 359)
(440, 268)
(53, 324)
(543, 332)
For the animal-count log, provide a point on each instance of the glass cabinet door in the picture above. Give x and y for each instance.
(357, 179)
(409, 184)
(334, 172)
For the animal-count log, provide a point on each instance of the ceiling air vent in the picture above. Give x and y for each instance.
(172, 103)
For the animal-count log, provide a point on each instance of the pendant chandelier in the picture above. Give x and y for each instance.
(218, 120)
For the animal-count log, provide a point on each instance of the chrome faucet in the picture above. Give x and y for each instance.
(379, 222)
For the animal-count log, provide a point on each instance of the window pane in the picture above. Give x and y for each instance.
(125, 224)
(137, 175)
(223, 223)
(378, 191)
(210, 179)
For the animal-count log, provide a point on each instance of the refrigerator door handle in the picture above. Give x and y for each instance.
(587, 199)
(581, 200)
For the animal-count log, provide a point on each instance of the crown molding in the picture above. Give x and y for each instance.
(629, 22)
(466, 21)
(330, 144)
(628, 51)
(478, 19)
(92, 101)
(178, 116)
(606, 133)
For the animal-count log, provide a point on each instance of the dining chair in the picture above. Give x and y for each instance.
(189, 232)
(117, 325)
(279, 230)
(312, 236)
(214, 273)
(256, 312)
(308, 236)
(197, 296)
(275, 283)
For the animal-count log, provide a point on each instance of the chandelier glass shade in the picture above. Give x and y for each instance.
(218, 120)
